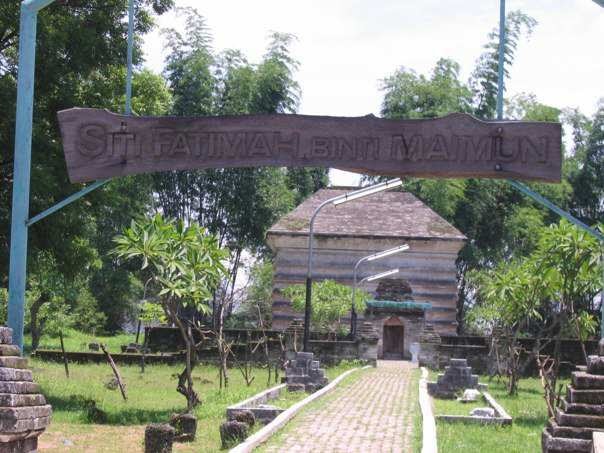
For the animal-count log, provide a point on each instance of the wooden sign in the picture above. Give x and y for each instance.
(101, 144)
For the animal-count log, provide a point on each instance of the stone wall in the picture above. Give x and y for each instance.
(475, 349)
(428, 266)
(413, 324)
(167, 339)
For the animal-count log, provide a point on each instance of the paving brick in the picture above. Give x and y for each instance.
(373, 414)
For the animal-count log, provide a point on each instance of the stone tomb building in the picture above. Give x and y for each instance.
(352, 230)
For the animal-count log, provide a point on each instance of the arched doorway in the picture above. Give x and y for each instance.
(393, 339)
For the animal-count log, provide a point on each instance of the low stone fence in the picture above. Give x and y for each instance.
(437, 351)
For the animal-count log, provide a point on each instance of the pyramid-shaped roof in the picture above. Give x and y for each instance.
(385, 214)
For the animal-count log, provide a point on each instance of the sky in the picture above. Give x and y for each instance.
(345, 47)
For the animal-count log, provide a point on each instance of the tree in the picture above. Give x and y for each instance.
(184, 265)
(80, 61)
(556, 285)
(330, 302)
(484, 79)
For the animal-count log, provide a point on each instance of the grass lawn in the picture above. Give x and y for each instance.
(76, 341)
(527, 409)
(119, 425)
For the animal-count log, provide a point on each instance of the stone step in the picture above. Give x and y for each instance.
(461, 371)
(19, 387)
(295, 371)
(458, 362)
(298, 379)
(10, 350)
(582, 380)
(579, 420)
(552, 444)
(573, 432)
(584, 396)
(15, 374)
(13, 362)
(21, 413)
(12, 400)
(27, 424)
(304, 356)
(577, 408)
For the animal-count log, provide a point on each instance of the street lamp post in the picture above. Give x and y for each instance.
(350, 196)
(373, 257)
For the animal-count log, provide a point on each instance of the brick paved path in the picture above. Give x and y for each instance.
(373, 414)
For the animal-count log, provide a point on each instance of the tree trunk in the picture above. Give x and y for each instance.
(34, 326)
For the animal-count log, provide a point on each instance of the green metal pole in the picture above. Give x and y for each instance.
(22, 166)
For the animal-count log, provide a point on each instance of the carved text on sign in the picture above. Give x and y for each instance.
(101, 144)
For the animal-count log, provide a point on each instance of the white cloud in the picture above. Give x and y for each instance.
(346, 46)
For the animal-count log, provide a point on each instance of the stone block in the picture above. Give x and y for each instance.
(588, 409)
(458, 362)
(13, 362)
(9, 350)
(18, 413)
(584, 396)
(579, 420)
(552, 444)
(14, 374)
(296, 387)
(570, 431)
(582, 380)
(6, 335)
(159, 438)
(12, 400)
(304, 356)
(185, 426)
(20, 425)
(27, 445)
(595, 364)
(19, 387)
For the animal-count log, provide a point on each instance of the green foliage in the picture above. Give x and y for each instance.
(557, 281)
(152, 312)
(238, 205)
(258, 299)
(330, 302)
(409, 95)
(485, 76)
(184, 262)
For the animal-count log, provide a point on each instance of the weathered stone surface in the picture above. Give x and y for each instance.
(18, 413)
(19, 387)
(584, 396)
(233, 432)
(9, 350)
(580, 420)
(15, 374)
(483, 412)
(27, 424)
(303, 373)
(570, 431)
(28, 445)
(582, 380)
(598, 443)
(12, 400)
(595, 364)
(552, 444)
(457, 377)
(6, 335)
(13, 362)
(185, 426)
(245, 416)
(159, 438)
(588, 409)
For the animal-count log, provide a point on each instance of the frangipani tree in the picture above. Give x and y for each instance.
(184, 265)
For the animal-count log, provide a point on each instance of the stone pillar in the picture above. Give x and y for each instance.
(368, 343)
(581, 412)
(24, 414)
(429, 341)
